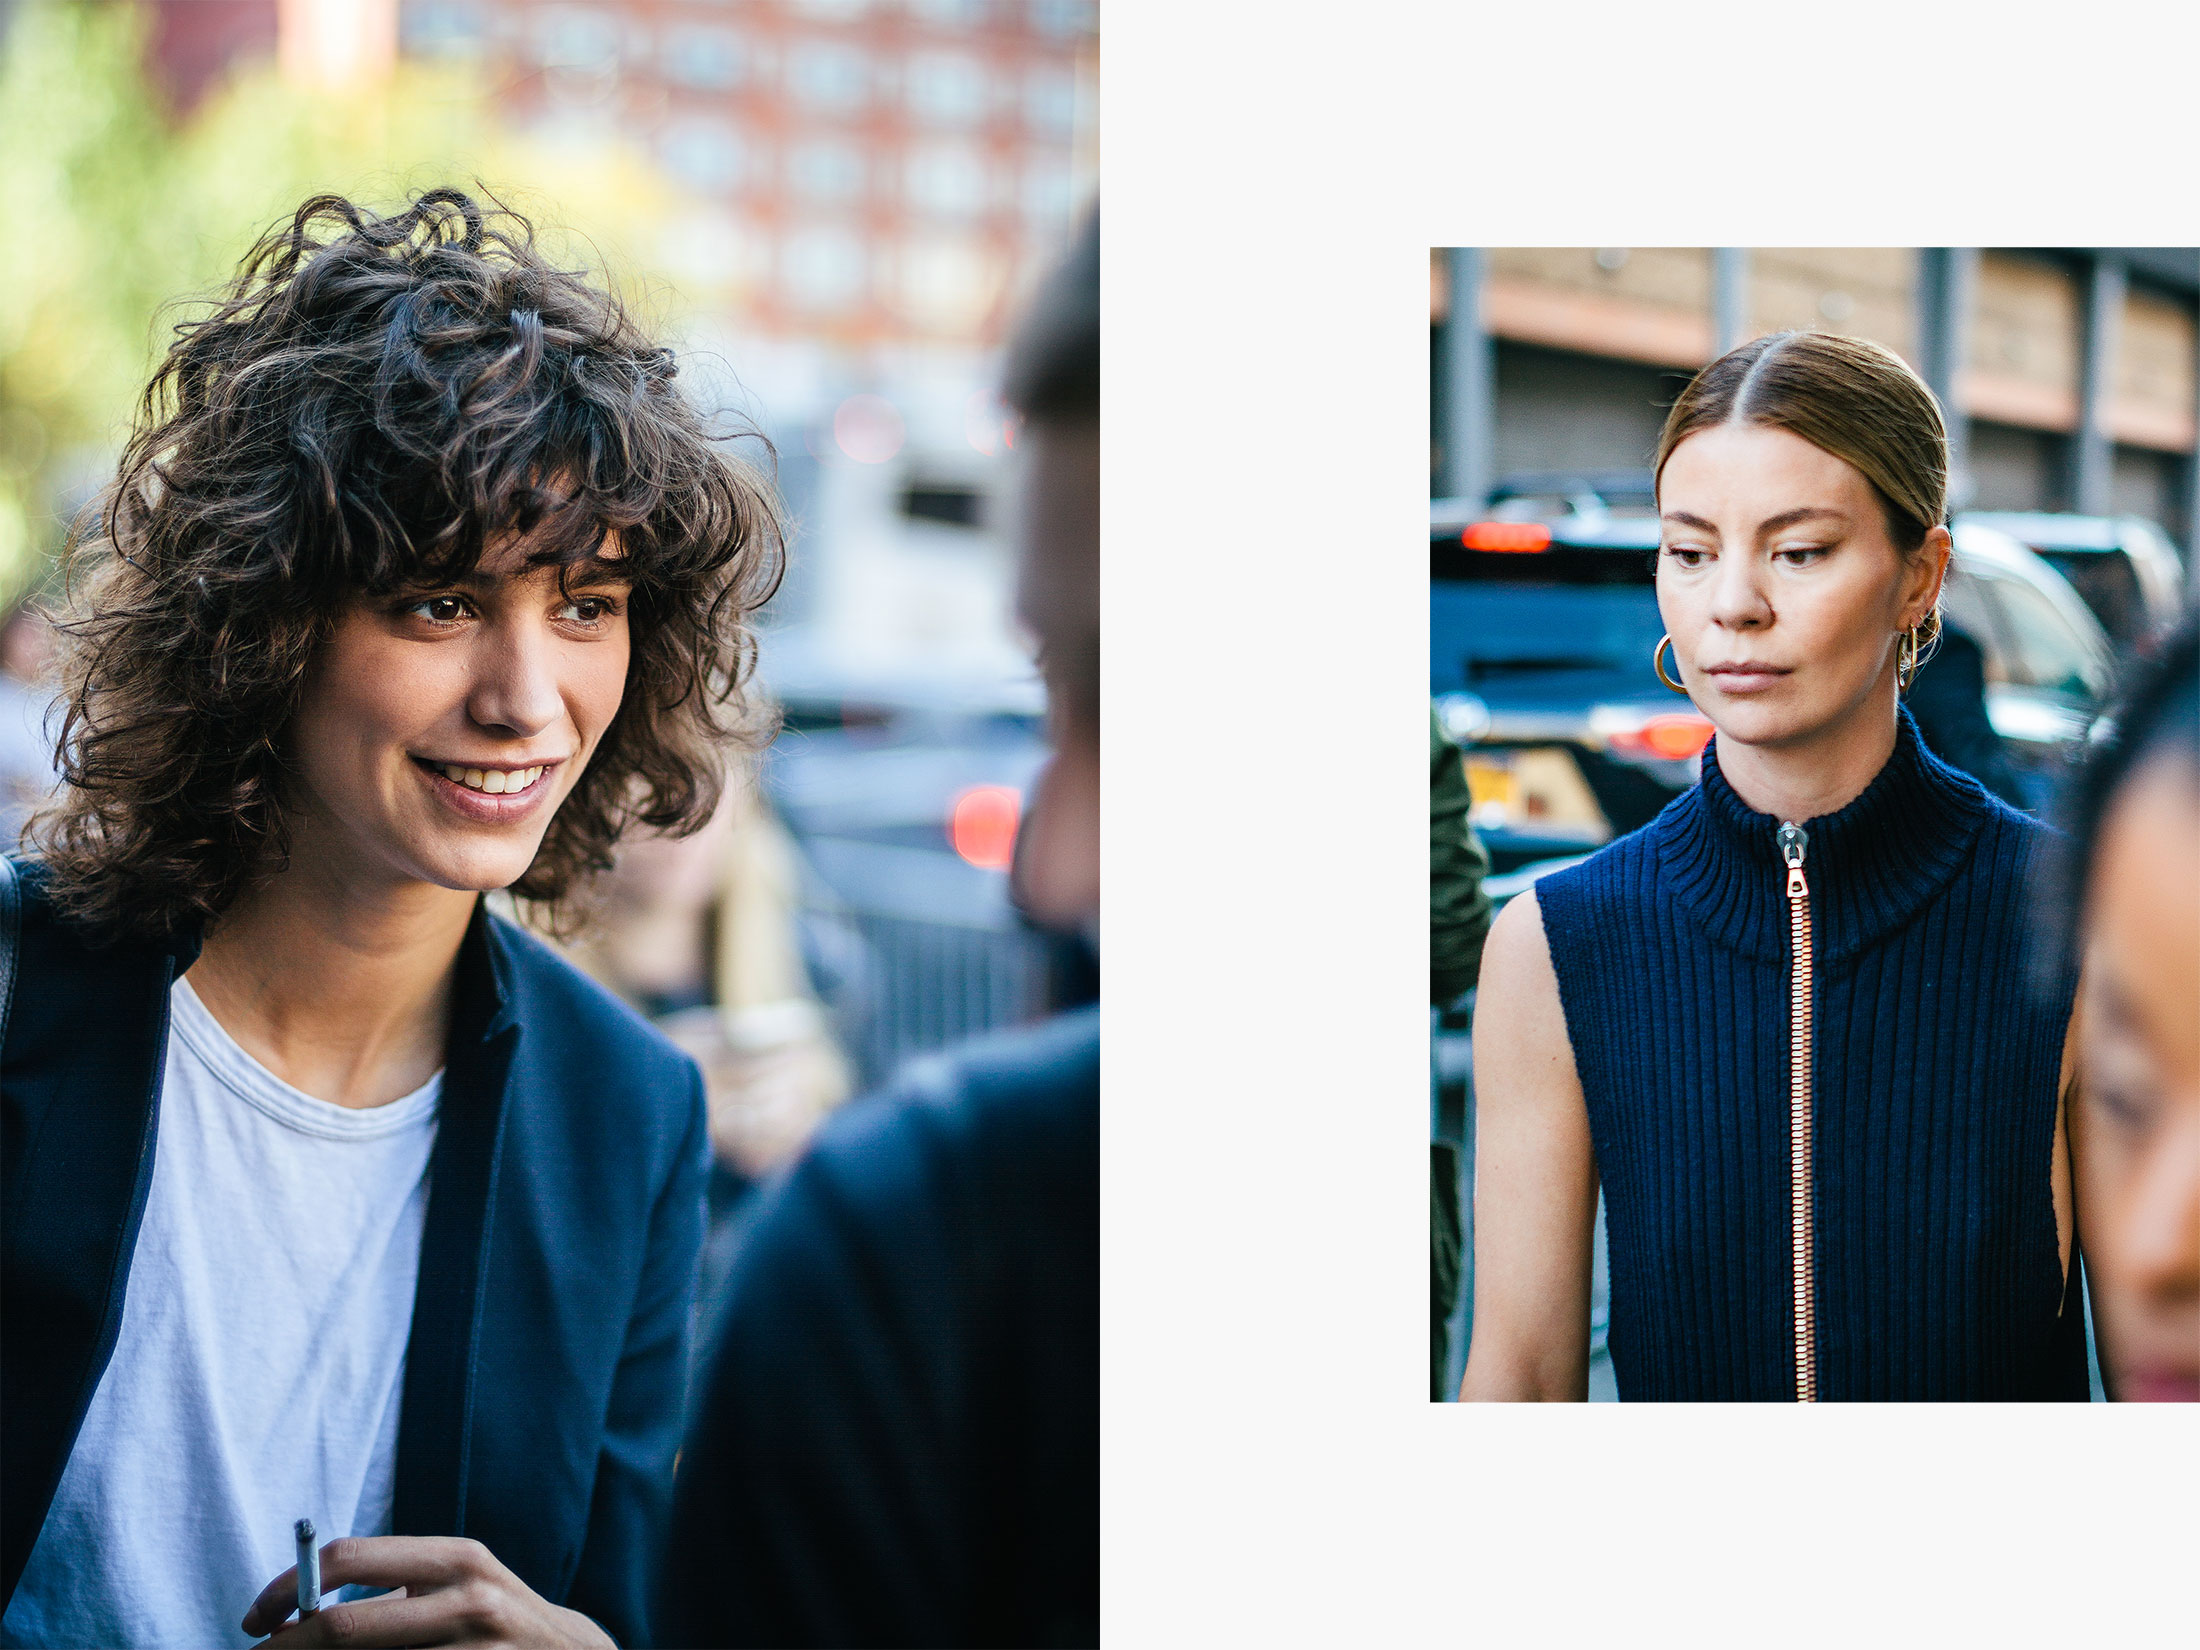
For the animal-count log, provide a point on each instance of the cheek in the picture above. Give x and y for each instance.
(596, 686)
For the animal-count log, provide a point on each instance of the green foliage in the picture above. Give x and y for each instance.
(118, 223)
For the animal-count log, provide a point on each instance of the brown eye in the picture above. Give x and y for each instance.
(439, 609)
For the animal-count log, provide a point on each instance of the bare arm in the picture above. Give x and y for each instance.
(1535, 1195)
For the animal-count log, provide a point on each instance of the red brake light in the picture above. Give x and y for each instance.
(1676, 738)
(982, 826)
(1507, 535)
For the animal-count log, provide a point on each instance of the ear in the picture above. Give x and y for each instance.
(1928, 572)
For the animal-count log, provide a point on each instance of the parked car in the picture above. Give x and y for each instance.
(1540, 634)
(2124, 568)
(903, 800)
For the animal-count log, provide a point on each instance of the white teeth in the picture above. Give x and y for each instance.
(493, 781)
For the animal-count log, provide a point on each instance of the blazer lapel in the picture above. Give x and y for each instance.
(434, 1430)
(82, 1106)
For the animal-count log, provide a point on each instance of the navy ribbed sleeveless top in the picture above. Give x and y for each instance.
(1936, 1059)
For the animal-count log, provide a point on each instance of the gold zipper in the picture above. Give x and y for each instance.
(1794, 842)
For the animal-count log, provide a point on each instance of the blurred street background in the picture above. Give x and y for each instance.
(2071, 381)
(832, 209)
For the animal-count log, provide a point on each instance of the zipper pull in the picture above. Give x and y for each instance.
(1794, 843)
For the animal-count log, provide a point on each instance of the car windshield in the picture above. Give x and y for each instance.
(1521, 621)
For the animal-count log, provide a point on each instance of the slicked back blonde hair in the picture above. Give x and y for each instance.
(1850, 397)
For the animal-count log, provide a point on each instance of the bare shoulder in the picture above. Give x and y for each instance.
(1520, 1025)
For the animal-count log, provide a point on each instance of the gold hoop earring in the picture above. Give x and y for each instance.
(1657, 663)
(1905, 659)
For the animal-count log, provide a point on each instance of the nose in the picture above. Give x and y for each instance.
(515, 692)
(1737, 595)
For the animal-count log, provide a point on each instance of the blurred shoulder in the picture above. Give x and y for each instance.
(1023, 1088)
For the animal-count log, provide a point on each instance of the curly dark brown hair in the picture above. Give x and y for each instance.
(371, 403)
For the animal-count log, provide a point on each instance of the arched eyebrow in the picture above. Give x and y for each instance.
(1771, 524)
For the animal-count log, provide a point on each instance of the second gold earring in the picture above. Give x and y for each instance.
(1657, 663)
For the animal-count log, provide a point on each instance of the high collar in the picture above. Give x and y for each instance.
(1870, 866)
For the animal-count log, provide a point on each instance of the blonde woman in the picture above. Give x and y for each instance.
(1788, 1025)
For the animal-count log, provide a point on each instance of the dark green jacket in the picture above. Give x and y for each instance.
(1458, 910)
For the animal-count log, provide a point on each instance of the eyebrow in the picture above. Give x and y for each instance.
(1771, 524)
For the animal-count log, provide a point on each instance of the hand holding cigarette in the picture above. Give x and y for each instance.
(454, 1592)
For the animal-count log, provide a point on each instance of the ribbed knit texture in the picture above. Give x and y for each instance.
(1935, 1068)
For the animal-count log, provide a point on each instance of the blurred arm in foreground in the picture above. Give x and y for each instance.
(898, 1439)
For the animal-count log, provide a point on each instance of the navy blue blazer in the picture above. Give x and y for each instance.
(547, 1366)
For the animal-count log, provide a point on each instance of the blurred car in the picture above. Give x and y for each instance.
(903, 800)
(2123, 568)
(1540, 634)
(1537, 495)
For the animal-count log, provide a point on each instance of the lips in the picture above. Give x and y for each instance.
(1745, 677)
(467, 790)
(2160, 1386)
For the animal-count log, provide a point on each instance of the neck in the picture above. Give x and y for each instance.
(1822, 772)
(342, 991)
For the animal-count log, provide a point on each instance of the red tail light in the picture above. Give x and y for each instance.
(982, 826)
(1674, 738)
(1507, 535)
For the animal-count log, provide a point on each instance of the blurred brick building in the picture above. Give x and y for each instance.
(861, 172)
(2073, 373)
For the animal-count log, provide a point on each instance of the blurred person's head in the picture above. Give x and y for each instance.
(2136, 846)
(1802, 489)
(1053, 384)
(418, 568)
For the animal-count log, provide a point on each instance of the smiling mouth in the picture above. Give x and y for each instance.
(488, 781)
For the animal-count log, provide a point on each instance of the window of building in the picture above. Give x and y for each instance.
(704, 153)
(1063, 19)
(947, 180)
(1049, 194)
(828, 75)
(443, 28)
(949, 14)
(707, 56)
(576, 37)
(947, 282)
(822, 267)
(827, 170)
(948, 89)
(1050, 102)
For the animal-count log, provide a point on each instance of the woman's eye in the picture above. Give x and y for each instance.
(439, 609)
(588, 610)
(1802, 555)
(1687, 555)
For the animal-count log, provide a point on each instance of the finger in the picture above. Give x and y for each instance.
(277, 1599)
(451, 1616)
(418, 1563)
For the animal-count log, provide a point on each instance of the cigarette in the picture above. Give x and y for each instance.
(309, 1569)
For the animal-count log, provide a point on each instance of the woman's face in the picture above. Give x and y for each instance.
(1781, 589)
(440, 730)
(2139, 1046)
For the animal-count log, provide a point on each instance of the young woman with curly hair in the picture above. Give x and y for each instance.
(329, 1195)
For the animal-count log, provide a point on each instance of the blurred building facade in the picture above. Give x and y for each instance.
(866, 190)
(2072, 374)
